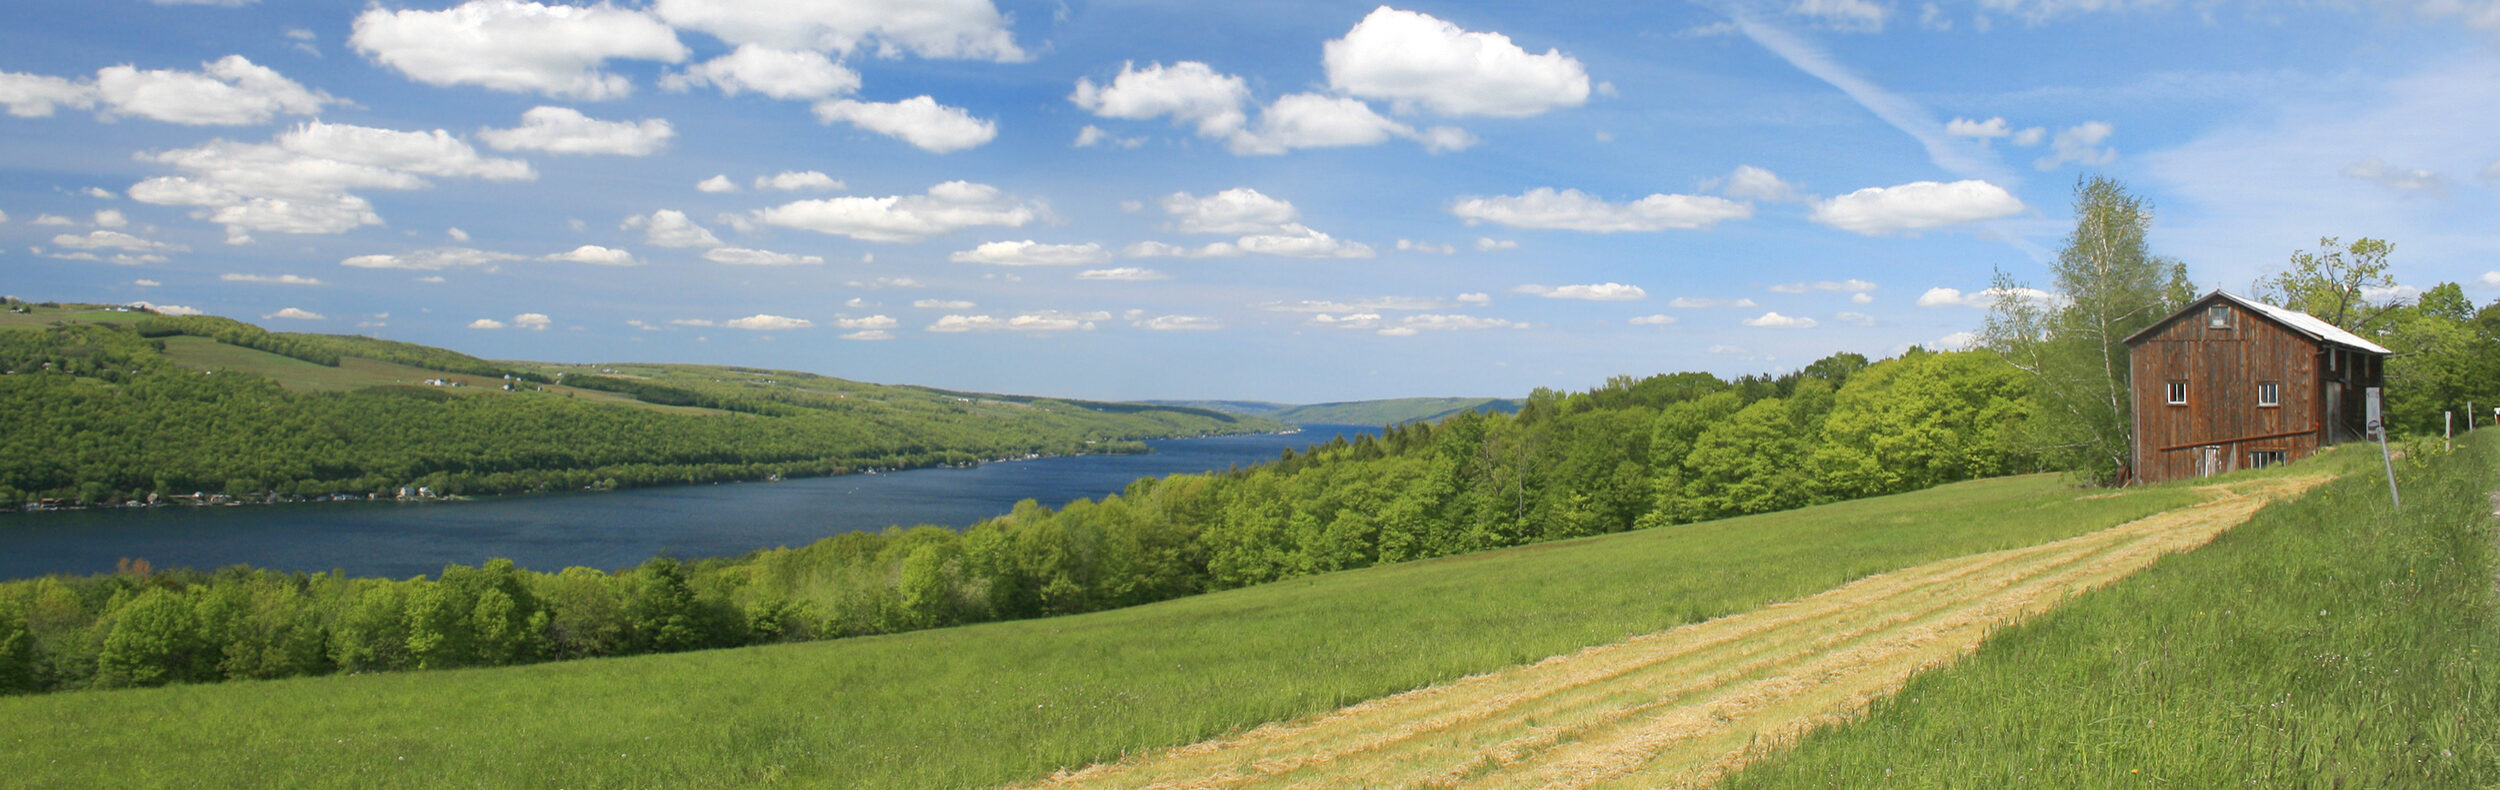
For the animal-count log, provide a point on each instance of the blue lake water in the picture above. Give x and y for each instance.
(607, 530)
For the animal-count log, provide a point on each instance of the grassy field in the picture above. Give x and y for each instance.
(1680, 707)
(2329, 642)
(1016, 701)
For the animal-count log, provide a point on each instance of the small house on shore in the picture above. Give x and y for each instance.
(2232, 383)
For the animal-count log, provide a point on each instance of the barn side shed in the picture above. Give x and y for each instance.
(2232, 383)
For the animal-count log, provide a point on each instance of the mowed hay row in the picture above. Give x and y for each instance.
(1684, 706)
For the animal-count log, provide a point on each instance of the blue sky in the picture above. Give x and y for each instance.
(1301, 201)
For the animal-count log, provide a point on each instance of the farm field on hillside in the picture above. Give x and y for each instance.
(1681, 707)
(355, 373)
(1009, 702)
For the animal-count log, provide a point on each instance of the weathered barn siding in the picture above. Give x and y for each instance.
(2221, 423)
(2222, 368)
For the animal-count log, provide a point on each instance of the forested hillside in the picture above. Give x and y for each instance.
(1388, 411)
(1663, 450)
(99, 412)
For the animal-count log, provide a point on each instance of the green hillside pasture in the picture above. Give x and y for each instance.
(39, 316)
(355, 373)
(2329, 642)
(1004, 702)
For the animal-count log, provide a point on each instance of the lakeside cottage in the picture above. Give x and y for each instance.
(2232, 383)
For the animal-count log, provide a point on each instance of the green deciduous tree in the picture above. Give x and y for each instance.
(2072, 343)
(2335, 283)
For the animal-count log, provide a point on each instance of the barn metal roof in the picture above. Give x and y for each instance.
(2316, 328)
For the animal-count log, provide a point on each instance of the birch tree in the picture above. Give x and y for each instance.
(2072, 342)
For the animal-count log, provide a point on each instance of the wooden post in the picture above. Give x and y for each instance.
(2448, 430)
(2380, 430)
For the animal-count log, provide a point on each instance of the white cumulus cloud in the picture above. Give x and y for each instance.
(778, 73)
(1774, 320)
(1045, 321)
(1484, 244)
(1032, 253)
(1427, 247)
(919, 120)
(795, 180)
(229, 91)
(1188, 91)
(517, 47)
(745, 256)
(304, 181)
(1755, 183)
(945, 208)
(564, 130)
(295, 313)
(596, 255)
(1232, 211)
(1178, 323)
(1689, 302)
(971, 29)
(1311, 120)
(1374, 305)
(1915, 206)
(671, 228)
(431, 259)
(114, 240)
(1415, 61)
(764, 322)
(2080, 144)
(1841, 286)
(716, 184)
(38, 95)
(1955, 297)
(1127, 274)
(1602, 292)
(943, 304)
(1658, 319)
(1572, 209)
(282, 279)
(2377, 171)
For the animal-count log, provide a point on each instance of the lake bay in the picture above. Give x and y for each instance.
(605, 530)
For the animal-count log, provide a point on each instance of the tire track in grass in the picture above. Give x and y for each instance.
(1682, 707)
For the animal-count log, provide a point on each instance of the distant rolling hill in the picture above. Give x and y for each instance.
(1393, 411)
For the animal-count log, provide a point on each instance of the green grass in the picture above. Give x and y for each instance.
(40, 316)
(2330, 642)
(1010, 701)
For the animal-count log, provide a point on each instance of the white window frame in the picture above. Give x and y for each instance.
(2175, 393)
(2269, 393)
(2218, 317)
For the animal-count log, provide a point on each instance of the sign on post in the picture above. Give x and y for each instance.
(2379, 430)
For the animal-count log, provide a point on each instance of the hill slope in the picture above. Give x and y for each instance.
(108, 406)
(1392, 411)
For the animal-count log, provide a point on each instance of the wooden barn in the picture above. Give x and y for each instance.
(2231, 383)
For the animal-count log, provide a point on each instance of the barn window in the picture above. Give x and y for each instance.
(2177, 396)
(2260, 459)
(2269, 393)
(2218, 317)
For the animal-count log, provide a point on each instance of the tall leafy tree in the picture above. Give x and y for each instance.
(2072, 343)
(2336, 283)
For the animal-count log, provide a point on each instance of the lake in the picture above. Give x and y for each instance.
(605, 530)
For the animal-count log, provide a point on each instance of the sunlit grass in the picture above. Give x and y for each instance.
(2330, 642)
(1010, 701)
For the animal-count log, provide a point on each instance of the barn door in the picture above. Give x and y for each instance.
(2209, 460)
